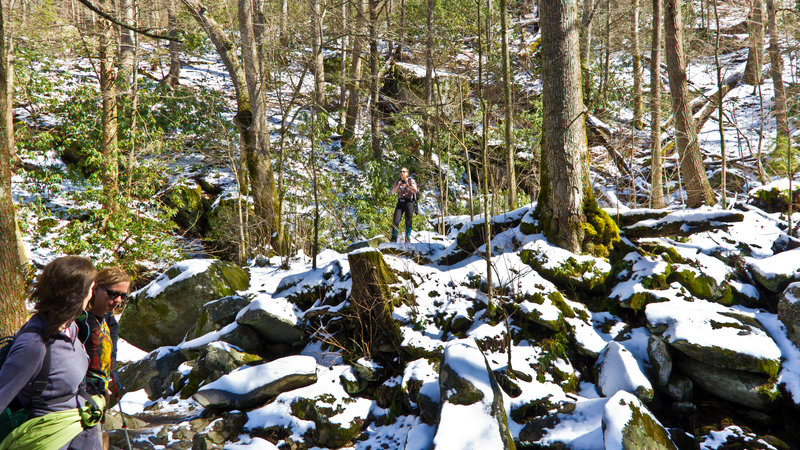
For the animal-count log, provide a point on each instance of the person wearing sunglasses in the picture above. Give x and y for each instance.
(99, 329)
(406, 190)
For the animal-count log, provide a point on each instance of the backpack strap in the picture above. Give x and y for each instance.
(40, 382)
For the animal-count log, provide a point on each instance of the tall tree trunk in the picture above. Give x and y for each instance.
(126, 42)
(173, 79)
(354, 80)
(508, 134)
(284, 29)
(637, 68)
(401, 31)
(720, 123)
(586, 47)
(316, 51)
(374, 124)
(259, 159)
(7, 85)
(428, 107)
(487, 225)
(564, 164)
(108, 93)
(776, 72)
(694, 176)
(344, 30)
(250, 115)
(12, 262)
(656, 178)
(755, 56)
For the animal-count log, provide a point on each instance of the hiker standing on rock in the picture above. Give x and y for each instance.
(406, 190)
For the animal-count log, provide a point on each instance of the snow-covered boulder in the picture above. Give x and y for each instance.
(716, 335)
(789, 312)
(250, 386)
(776, 272)
(271, 328)
(627, 423)
(162, 312)
(564, 268)
(619, 371)
(774, 197)
(472, 415)
(215, 314)
(472, 236)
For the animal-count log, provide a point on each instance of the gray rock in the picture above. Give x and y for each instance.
(162, 312)
(660, 359)
(251, 386)
(627, 424)
(246, 338)
(152, 373)
(680, 388)
(745, 388)
(271, 328)
(563, 268)
(216, 360)
(216, 314)
(789, 312)
(776, 272)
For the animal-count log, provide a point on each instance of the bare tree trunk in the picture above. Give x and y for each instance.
(108, 92)
(426, 116)
(487, 227)
(259, 160)
(586, 47)
(509, 109)
(343, 40)
(606, 52)
(7, 85)
(694, 176)
(284, 36)
(354, 80)
(250, 117)
(126, 41)
(776, 72)
(401, 27)
(13, 265)
(173, 79)
(316, 50)
(723, 187)
(656, 172)
(374, 124)
(637, 68)
(755, 56)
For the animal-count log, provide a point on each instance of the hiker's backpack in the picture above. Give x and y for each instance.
(15, 415)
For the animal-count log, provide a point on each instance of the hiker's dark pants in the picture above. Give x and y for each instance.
(404, 206)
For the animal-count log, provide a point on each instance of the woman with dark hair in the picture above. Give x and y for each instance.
(98, 329)
(44, 371)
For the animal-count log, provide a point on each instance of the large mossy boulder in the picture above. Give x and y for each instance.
(190, 204)
(789, 312)
(162, 312)
(468, 387)
(774, 197)
(642, 280)
(251, 386)
(716, 335)
(566, 269)
(272, 328)
(628, 424)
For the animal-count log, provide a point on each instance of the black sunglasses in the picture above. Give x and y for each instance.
(114, 294)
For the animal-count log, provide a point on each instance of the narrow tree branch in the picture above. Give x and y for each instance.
(113, 20)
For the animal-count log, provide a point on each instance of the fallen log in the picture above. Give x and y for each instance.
(682, 223)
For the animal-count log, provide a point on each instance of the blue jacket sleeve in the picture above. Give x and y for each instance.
(23, 363)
